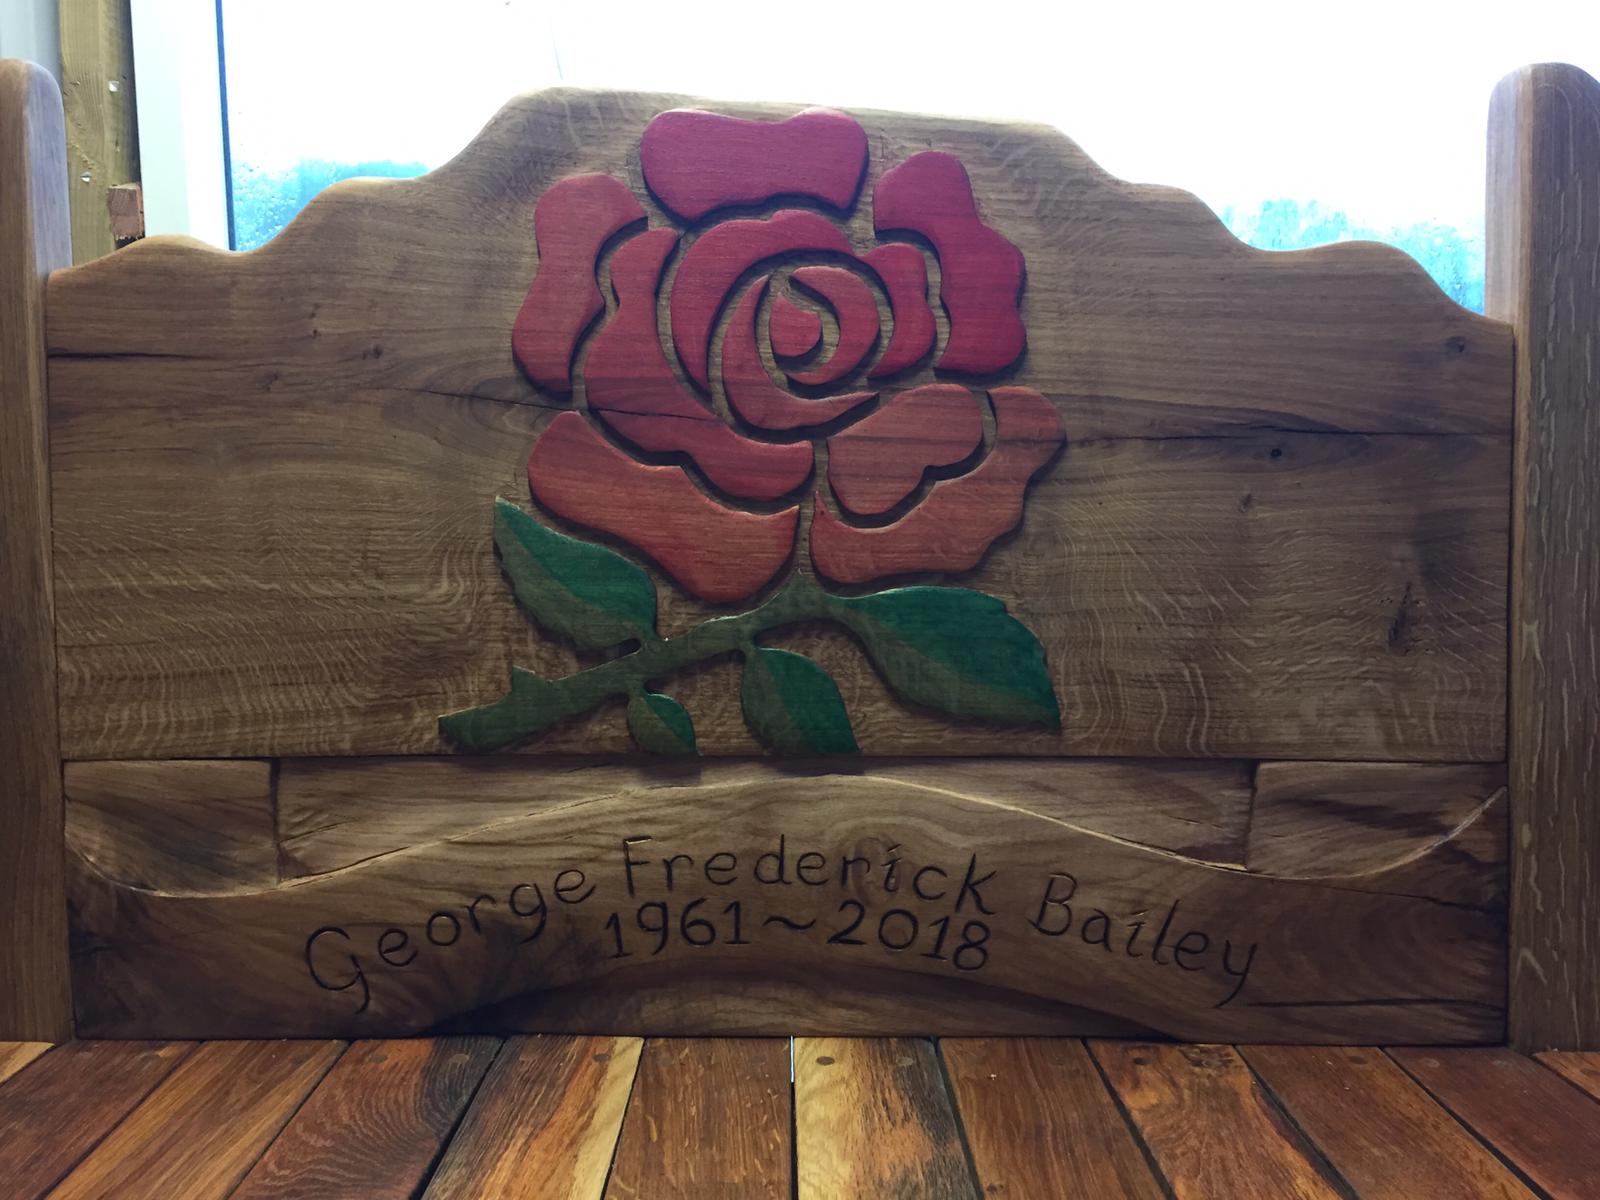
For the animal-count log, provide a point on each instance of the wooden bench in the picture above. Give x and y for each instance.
(688, 570)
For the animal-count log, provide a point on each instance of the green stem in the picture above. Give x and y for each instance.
(535, 703)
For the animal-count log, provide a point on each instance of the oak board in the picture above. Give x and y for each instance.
(843, 874)
(686, 568)
(1278, 528)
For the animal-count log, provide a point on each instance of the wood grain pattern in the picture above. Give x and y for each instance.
(97, 91)
(16, 1055)
(572, 223)
(1210, 1127)
(335, 812)
(1040, 1122)
(729, 1000)
(1069, 917)
(58, 1109)
(1345, 820)
(931, 194)
(709, 1119)
(1543, 256)
(1197, 590)
(751, 392)
(792, 331)
(201, 1129)
(33, 241)
(376, 1123)
(877, 463)
(1534, 1118)
(544, 1123)
(854, 307)
(1581, 1067)
(187, 826)
(872, 1118)
(1377, 1127)
(698, 161)
(905, 277)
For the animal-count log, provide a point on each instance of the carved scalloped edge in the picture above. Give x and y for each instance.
(504, 125)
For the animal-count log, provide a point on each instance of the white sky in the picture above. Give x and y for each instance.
(1375, 108)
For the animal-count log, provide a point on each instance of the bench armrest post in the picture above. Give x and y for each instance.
(1543, 276)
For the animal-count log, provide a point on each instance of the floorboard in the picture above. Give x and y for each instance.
(1545, 1127)
(618, 1118)
(376, 1123)
(16, 1055)
(1210, 1126)
(872, 1118)
(58, 1109)
(1041, 1122)
(709, 1119)
(1580, 1067)
(544, 1123)
(204, 1125)
(1350, 1101)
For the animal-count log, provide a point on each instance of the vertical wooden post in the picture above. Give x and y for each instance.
(103, 139)
(34, 993)
(1544, 278)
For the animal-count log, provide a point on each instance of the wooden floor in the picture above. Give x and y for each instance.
(474, 1117)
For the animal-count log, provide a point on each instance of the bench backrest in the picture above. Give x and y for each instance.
(667, 571)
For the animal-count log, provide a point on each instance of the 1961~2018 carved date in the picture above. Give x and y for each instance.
(849, 903)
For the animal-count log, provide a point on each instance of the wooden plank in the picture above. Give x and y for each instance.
(709, 1117)
(872, 1118)
(102, 127)
(1543, 255)
(1299, 595)
(205, 1125)
(55, 1112)
(730, 999)
(16, 1055)
(1040, 1122)
(335, 812)
(1537, 1121)
(1210, 1127)
(1183, 563)
(773, 877)
(1581, 1067)
(200, 826)
(33, 241)
(1350, 820)
(1378, 1128)
(376, 1124)
(544, 1123)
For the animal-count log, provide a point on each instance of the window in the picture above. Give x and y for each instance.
(1298, 124)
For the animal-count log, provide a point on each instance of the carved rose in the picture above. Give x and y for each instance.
(706, 464)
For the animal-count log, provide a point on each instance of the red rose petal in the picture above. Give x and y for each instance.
(716, 260)
(571, 224)
(716, 553)
(698, 161)
(750, 390)
(793, 331)
(905, 278)
(853, 303)
(631, 388)
(980, 271)
(879, 461)
(954, 527)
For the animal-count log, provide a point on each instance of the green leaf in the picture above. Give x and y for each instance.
(574, 588)
(793, 705)
(659, 724)
(533, 704)
(956, 650)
